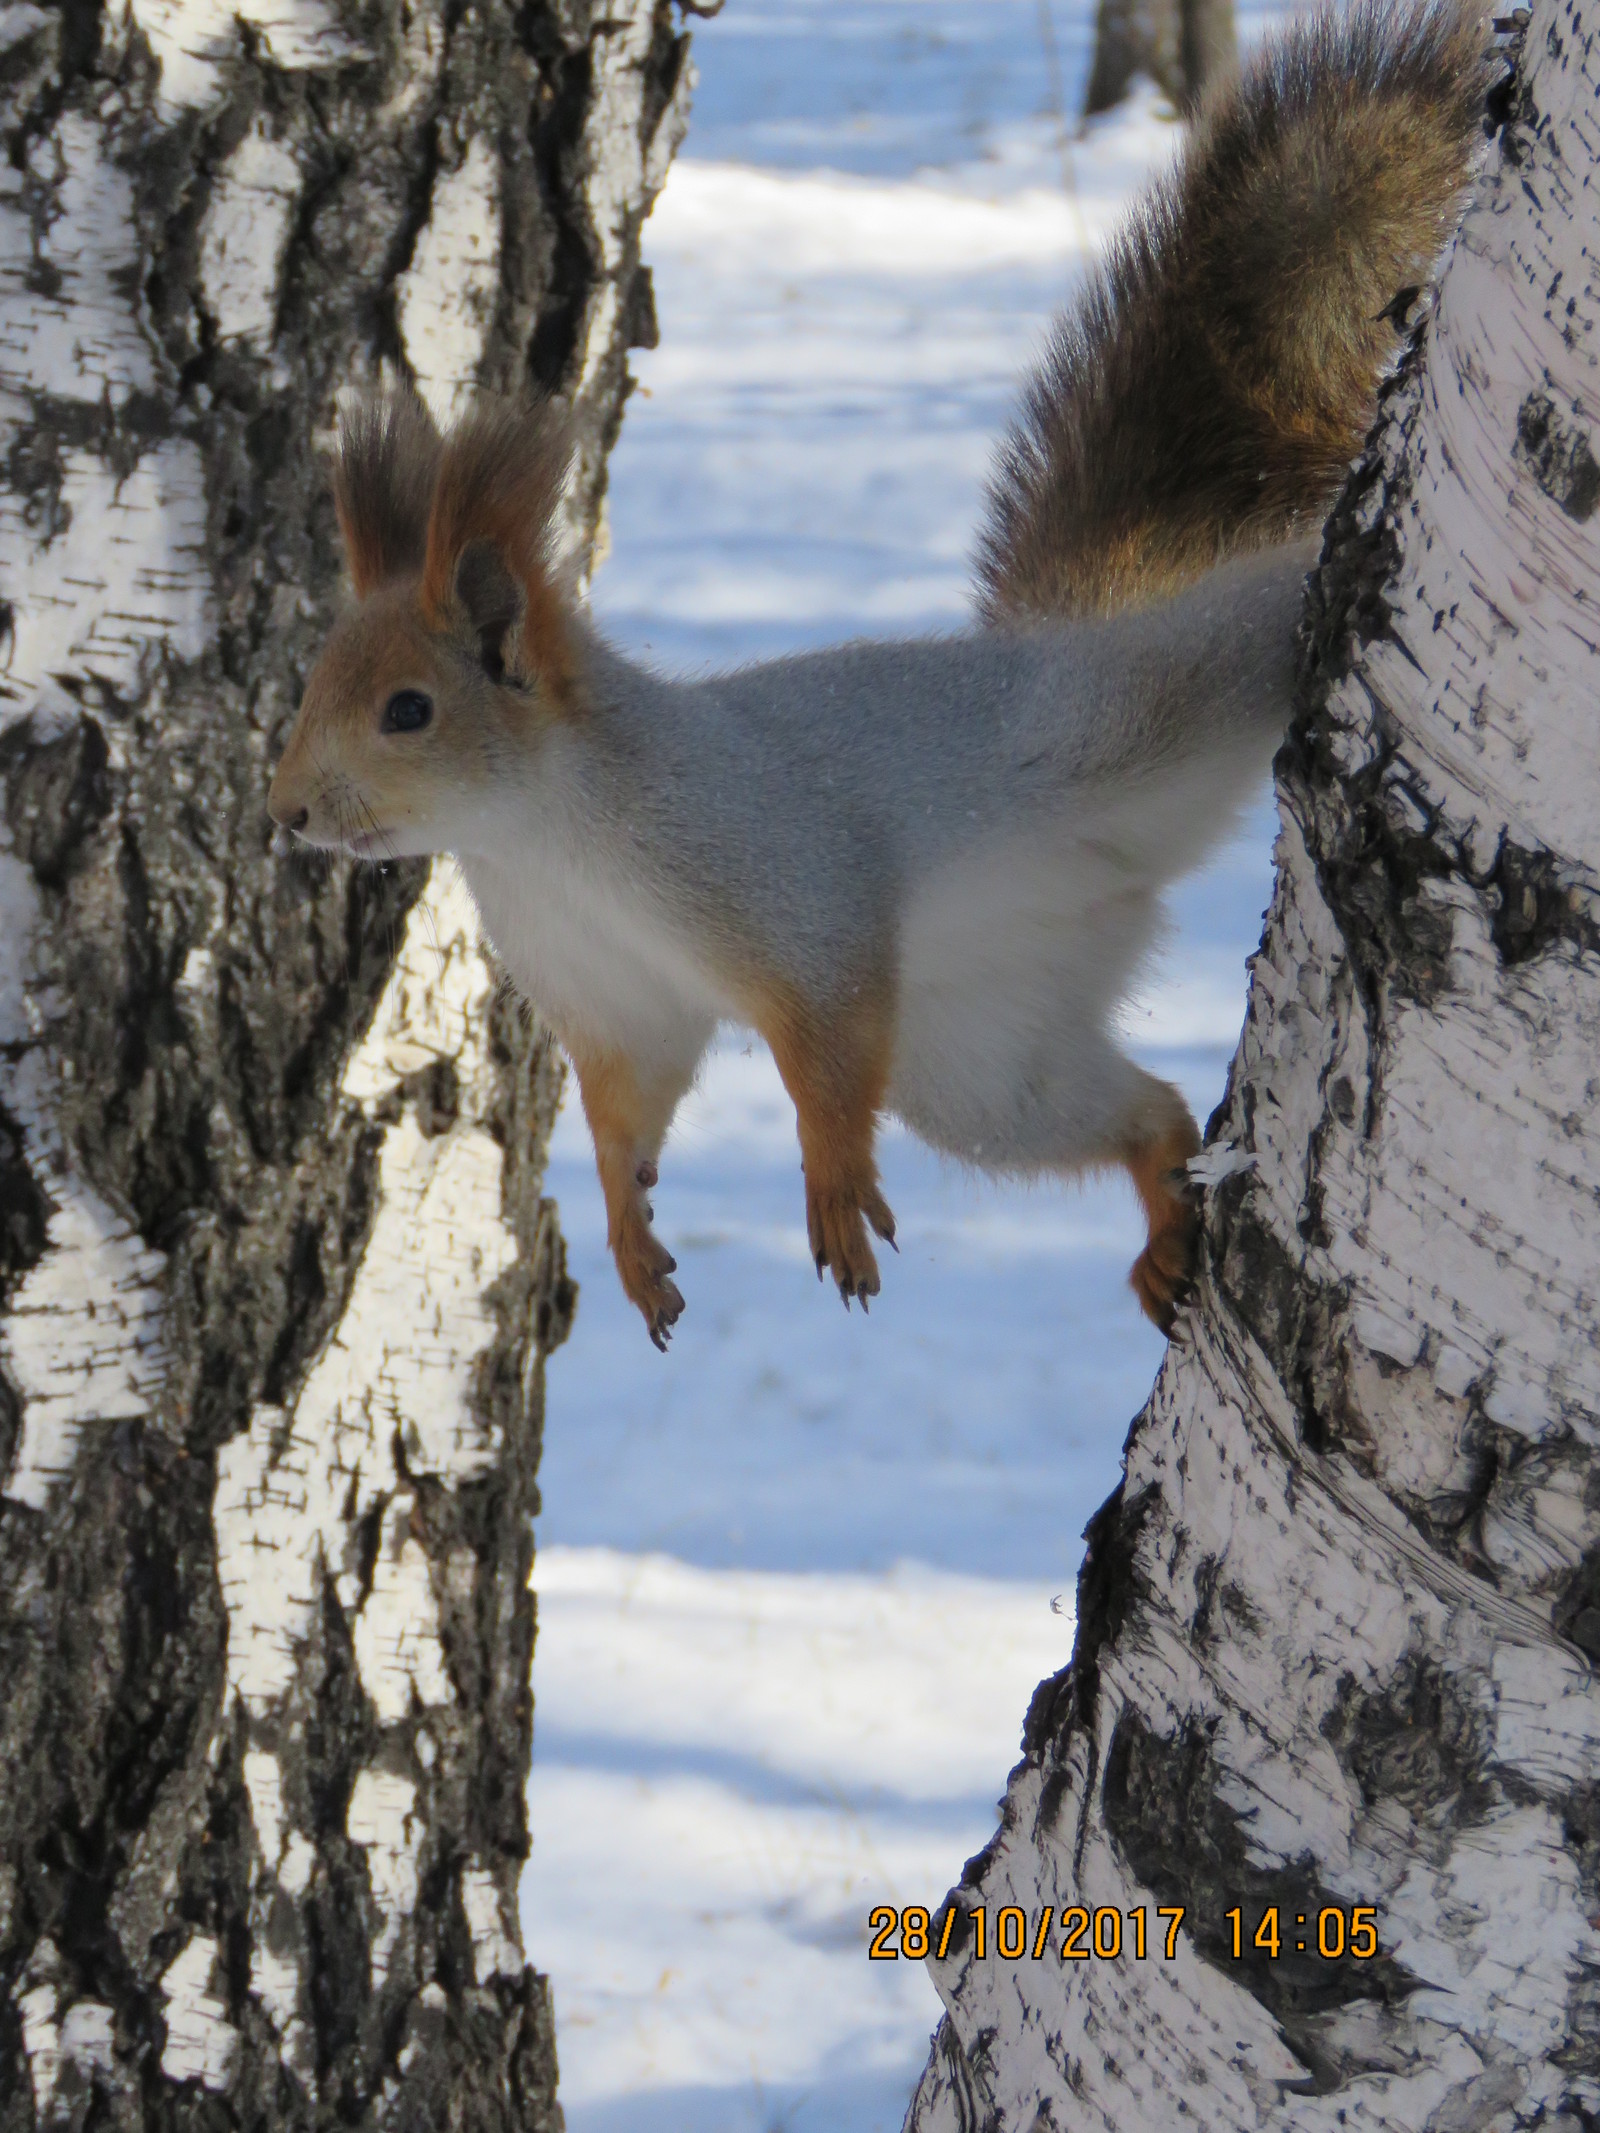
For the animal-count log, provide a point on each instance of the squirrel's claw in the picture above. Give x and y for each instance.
(669, 1309)
(644, 1263)
(1162, 1276)
(876, 1209)
(836, 1226)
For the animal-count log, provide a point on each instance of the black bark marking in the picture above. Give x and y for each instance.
(1222, 1607)
(1415, 1739)
(1259, 1276)
(56, 792)
(643, 328)
(557, 130)
(1373, 871)
(1372, 866)
(1164, 1810)
(121, 1592)
(1108, 1585)
(1557, 454)
(1285, 1312)
(1576, 1615)
(1533, 908)
(24, 1208)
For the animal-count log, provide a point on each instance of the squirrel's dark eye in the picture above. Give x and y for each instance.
(407, 711)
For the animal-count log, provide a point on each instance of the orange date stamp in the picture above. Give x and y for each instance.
(1081, 1934)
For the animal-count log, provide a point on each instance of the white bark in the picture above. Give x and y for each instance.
(1339, 1628)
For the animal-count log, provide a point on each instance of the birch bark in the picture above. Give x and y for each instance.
(1182, 45)
(276, 1274)
(1339, 1627)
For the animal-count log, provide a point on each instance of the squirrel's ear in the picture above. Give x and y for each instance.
(383, 483)
(487, 568)
(493, 603)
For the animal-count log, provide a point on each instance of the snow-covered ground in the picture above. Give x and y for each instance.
(796, 1578)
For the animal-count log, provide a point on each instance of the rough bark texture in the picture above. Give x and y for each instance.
(1182, 45)
(1338, 1629)
(267, 1436)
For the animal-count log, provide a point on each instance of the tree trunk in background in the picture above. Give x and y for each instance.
(1182, 45)
(277, 1276)
(1338, 1629)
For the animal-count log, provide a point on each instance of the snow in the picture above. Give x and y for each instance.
(742, 1763)
(797, 1581)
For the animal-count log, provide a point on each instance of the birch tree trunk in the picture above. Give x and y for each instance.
(278, 1281)
(1338, 1629)
(1182, 45)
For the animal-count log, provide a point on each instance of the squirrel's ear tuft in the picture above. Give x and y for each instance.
(383, 484)
(487, 568)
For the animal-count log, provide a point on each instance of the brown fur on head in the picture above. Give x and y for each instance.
(1207, 392)
(425, 696)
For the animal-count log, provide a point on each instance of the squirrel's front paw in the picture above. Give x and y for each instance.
(1162, 1273)
(836, 1223)
(644, 1263)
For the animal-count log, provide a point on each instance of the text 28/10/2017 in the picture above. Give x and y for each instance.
(1330, 1933)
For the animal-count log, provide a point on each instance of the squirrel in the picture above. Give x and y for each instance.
(925, 872)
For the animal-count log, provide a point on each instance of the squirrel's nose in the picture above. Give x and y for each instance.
(281, 807)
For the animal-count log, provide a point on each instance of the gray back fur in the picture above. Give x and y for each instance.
(811, 792)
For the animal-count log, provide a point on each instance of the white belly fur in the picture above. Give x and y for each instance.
(1011, 960)
(599, 964)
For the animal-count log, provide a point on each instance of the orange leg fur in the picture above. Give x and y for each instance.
(836, 1074)
(1155, 1162)
(629, 1123)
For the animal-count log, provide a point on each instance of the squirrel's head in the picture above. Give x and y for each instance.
(458, 653)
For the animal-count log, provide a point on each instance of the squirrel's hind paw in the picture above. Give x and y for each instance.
(1163, 1273)
(1162, 1276)
(668, 1310)
(836, 1224)
(644, 1263)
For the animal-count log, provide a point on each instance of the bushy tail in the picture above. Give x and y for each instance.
(1208, 389)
